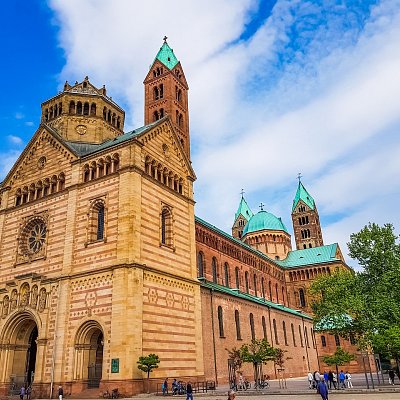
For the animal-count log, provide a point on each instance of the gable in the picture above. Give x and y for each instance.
(162, 145)
(44, 156)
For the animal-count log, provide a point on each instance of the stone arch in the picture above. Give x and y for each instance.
(88, 353)
(19, 347)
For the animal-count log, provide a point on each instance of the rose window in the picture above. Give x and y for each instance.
(36, 237)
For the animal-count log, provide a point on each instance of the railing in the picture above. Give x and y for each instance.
(197, 387)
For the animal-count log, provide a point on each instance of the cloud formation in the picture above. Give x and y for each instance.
(315, 89)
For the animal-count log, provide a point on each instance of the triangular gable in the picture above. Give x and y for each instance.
(158, 63)
(339, 254)
(43, 133)
(164, 125)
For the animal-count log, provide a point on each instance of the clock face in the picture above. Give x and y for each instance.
(81, 129)
(36, 237)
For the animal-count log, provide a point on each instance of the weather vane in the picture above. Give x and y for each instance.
(165, 38)
(242, 193)
(262, 206)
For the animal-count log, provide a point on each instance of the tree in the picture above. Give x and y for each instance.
(387, 343)
(279, 358)
(363, 304)
(236, 358)
(339, 357)
(258, 352)
(148, 364)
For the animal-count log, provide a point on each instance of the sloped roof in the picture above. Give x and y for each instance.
(302, 194)
(254, 299)
(84, 149)
(166, 56)
(243, 210)
(315, 255)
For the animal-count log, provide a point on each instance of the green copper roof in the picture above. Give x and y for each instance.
(264, 220)
(254, 299)
(315, 255)
(303, 195)
(244, 210)
(166, 56)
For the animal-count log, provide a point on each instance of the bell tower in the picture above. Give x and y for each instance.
(305, 218)
(166, 93)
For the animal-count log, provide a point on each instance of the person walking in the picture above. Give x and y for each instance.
(164, 387)
(342, 377)
(391, 377)
(60, 393)
(22, 392)
(330, 378)
(322, 389)
(189, 391)
(310, 380)
(348, 379)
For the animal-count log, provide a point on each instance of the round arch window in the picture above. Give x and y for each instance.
(34, 236)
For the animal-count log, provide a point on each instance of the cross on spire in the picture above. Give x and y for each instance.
(299, 176)
(261, 206)
(242, 193)
(165, 39)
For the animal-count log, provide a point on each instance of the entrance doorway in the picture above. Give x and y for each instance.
(23, 350)
(89, 348)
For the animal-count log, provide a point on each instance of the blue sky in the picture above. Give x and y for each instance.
(276, 88)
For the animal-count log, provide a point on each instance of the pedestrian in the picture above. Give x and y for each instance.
(326, 376)
(22, 392)
(28, 392)
(322, 389)
(391, 377)
(310, 380)
(60, 393)
(348, 379)
(335, 385)
(330, 378)
(164, 387)
(342, 377)
(189, 391)
(231, 395)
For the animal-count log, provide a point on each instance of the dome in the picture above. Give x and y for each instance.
(264, 220)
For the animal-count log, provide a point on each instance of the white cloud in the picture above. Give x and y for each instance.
(325, 101)
(19, 115)
(29, 123)
(16, 140)
(8, 160)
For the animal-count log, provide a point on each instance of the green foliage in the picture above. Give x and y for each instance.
(340, 357)
(364, 304)
(279, 358)
(235, 356)
(148, 363)
(258, 351)
(387, 343)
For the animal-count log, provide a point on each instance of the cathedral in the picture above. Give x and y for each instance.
(103, 260)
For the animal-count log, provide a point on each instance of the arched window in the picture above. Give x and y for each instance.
(275, 331)
(79, 108)
(246, 278)
(306, 337)
(237, 322)
(264, 326)
(166, 227)
(156, 93)
(237, 278)
(200, 264)
(283, 295)
(226, 272)
(323, 341)
(284, 333)
(255, 284)
(161, 91)
(86, 109)
(302, 298)
(301, 337)
(93, 109)
(262, 287)
(18, 197)
(270, 290)
(100, 223)
(293, 335)
(253, 332)
(276, 292)
(313, 339)
(214, 270)
(220, 322)
(337, 340)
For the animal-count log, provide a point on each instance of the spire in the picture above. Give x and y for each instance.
(166, 55)
(304, 196)
(243, 209)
